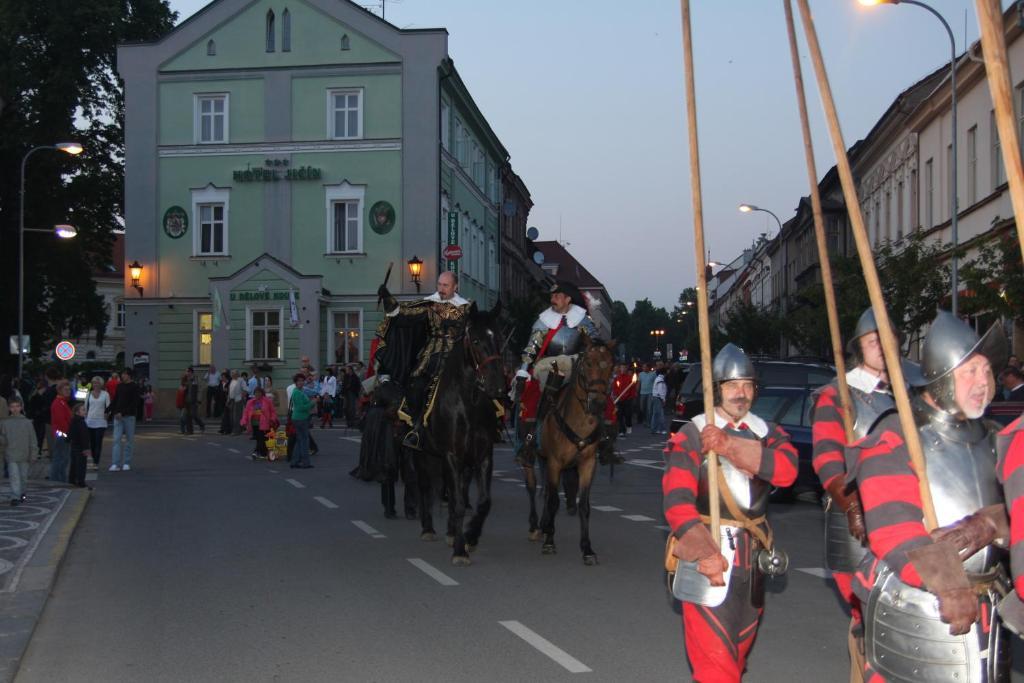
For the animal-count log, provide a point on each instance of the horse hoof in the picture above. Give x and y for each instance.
(450, 540)
(534, 535)
(428, 536)
(548, 549)
(461, 561)
(590, 560)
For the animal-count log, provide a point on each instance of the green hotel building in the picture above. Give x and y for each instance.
(281, 155)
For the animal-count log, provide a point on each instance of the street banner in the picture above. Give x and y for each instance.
(218, 309)
(293, 307)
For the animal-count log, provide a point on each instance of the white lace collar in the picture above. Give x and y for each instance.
(456, 300)
(574, 316)
(862, 380)
(758, 426)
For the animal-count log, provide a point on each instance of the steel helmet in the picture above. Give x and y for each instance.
(951, 341)
(865, 323)
(732, 363)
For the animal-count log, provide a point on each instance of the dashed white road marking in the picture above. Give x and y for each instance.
(639, 461)
(638, 518)
(363, 526)
(354, 439)
(660, 468)
(234, 450)
(546, 647)
(510, 479)
(296, 484)
(663, 527)
(433, 572)
(820, 572)
(272, 471)
(326, 503)
(212, 443)
(606, 508)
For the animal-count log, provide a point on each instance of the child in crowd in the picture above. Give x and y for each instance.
(17, 440)
(78, 435)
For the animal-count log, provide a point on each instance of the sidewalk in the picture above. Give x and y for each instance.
(34, 537)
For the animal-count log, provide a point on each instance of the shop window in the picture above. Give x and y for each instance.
(345, 114)
(204, 338)
(347, 337)
(265, 335)
(211, 119)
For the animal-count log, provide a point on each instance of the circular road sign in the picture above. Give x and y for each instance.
(65, 350)
(452, 252)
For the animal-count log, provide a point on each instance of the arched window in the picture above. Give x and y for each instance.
(211, 48)
(286, 31)
(344, 42)
(270, 30)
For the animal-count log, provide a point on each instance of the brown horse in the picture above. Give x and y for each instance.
(569, 435)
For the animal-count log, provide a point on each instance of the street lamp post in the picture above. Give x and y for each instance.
(953, 203)
(72, 148)
(784, 294)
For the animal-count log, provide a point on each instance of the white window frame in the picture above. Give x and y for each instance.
(331, 347)
(446, 126)
(249, 310)
(344, 192)
(210, 195)
(477, 171)
(120, 314)
(492, 264)
(998, 172)
(972, 165)
(197, 127)
(332, 133)
(929, 193)
(899, 210)
(461, 143)
(196, 331)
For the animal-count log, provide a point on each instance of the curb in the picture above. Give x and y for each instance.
(21, 609)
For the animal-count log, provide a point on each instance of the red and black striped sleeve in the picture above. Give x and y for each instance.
(779, 458)
(1011, 474)
(828, 436)
(679, 483)
(891, 499)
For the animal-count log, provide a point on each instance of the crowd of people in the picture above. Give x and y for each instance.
(67, 419)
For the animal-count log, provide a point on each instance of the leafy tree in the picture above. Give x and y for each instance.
(58, 82)
(645, 318)
(620, 326)
(994, 280)
(754, 330)
(522, 313)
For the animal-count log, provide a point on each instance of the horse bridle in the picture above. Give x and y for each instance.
(478, 363)
(592, 394)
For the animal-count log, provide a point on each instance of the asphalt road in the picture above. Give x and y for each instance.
(202, 565)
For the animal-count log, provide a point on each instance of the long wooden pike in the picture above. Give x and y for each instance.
(890, 348)
(387, 276)
(702, 285)
(997, 70)
(819, 231)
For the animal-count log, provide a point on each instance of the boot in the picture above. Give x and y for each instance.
(387, 495)
(546, 403)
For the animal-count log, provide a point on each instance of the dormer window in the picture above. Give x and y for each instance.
(344, 43)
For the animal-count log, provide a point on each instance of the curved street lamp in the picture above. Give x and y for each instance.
(74, 149)
(953, 204)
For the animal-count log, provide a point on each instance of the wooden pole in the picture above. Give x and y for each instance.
(890, 348)
(702, 284)
(997, 70)
(819, 231)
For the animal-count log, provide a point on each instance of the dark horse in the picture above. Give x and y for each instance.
(460, 431)
(569, 437)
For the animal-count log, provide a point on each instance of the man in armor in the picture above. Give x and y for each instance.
(555, 341)
(928, 597)
(755, 455)
(844, 520)
(444, 313)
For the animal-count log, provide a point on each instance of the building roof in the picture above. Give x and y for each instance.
(566, 267)
(115, 269)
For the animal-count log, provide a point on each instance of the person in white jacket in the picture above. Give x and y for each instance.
(658, 393)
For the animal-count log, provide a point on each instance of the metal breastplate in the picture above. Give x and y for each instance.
(750, 494)
(868, 407)
(566, 342)
(960, 457)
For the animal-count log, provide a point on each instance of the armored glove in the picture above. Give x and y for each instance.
(850, 504)
(940, 568)
(744, 454)
(974, 532)
(696, 545)
(390, 303)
